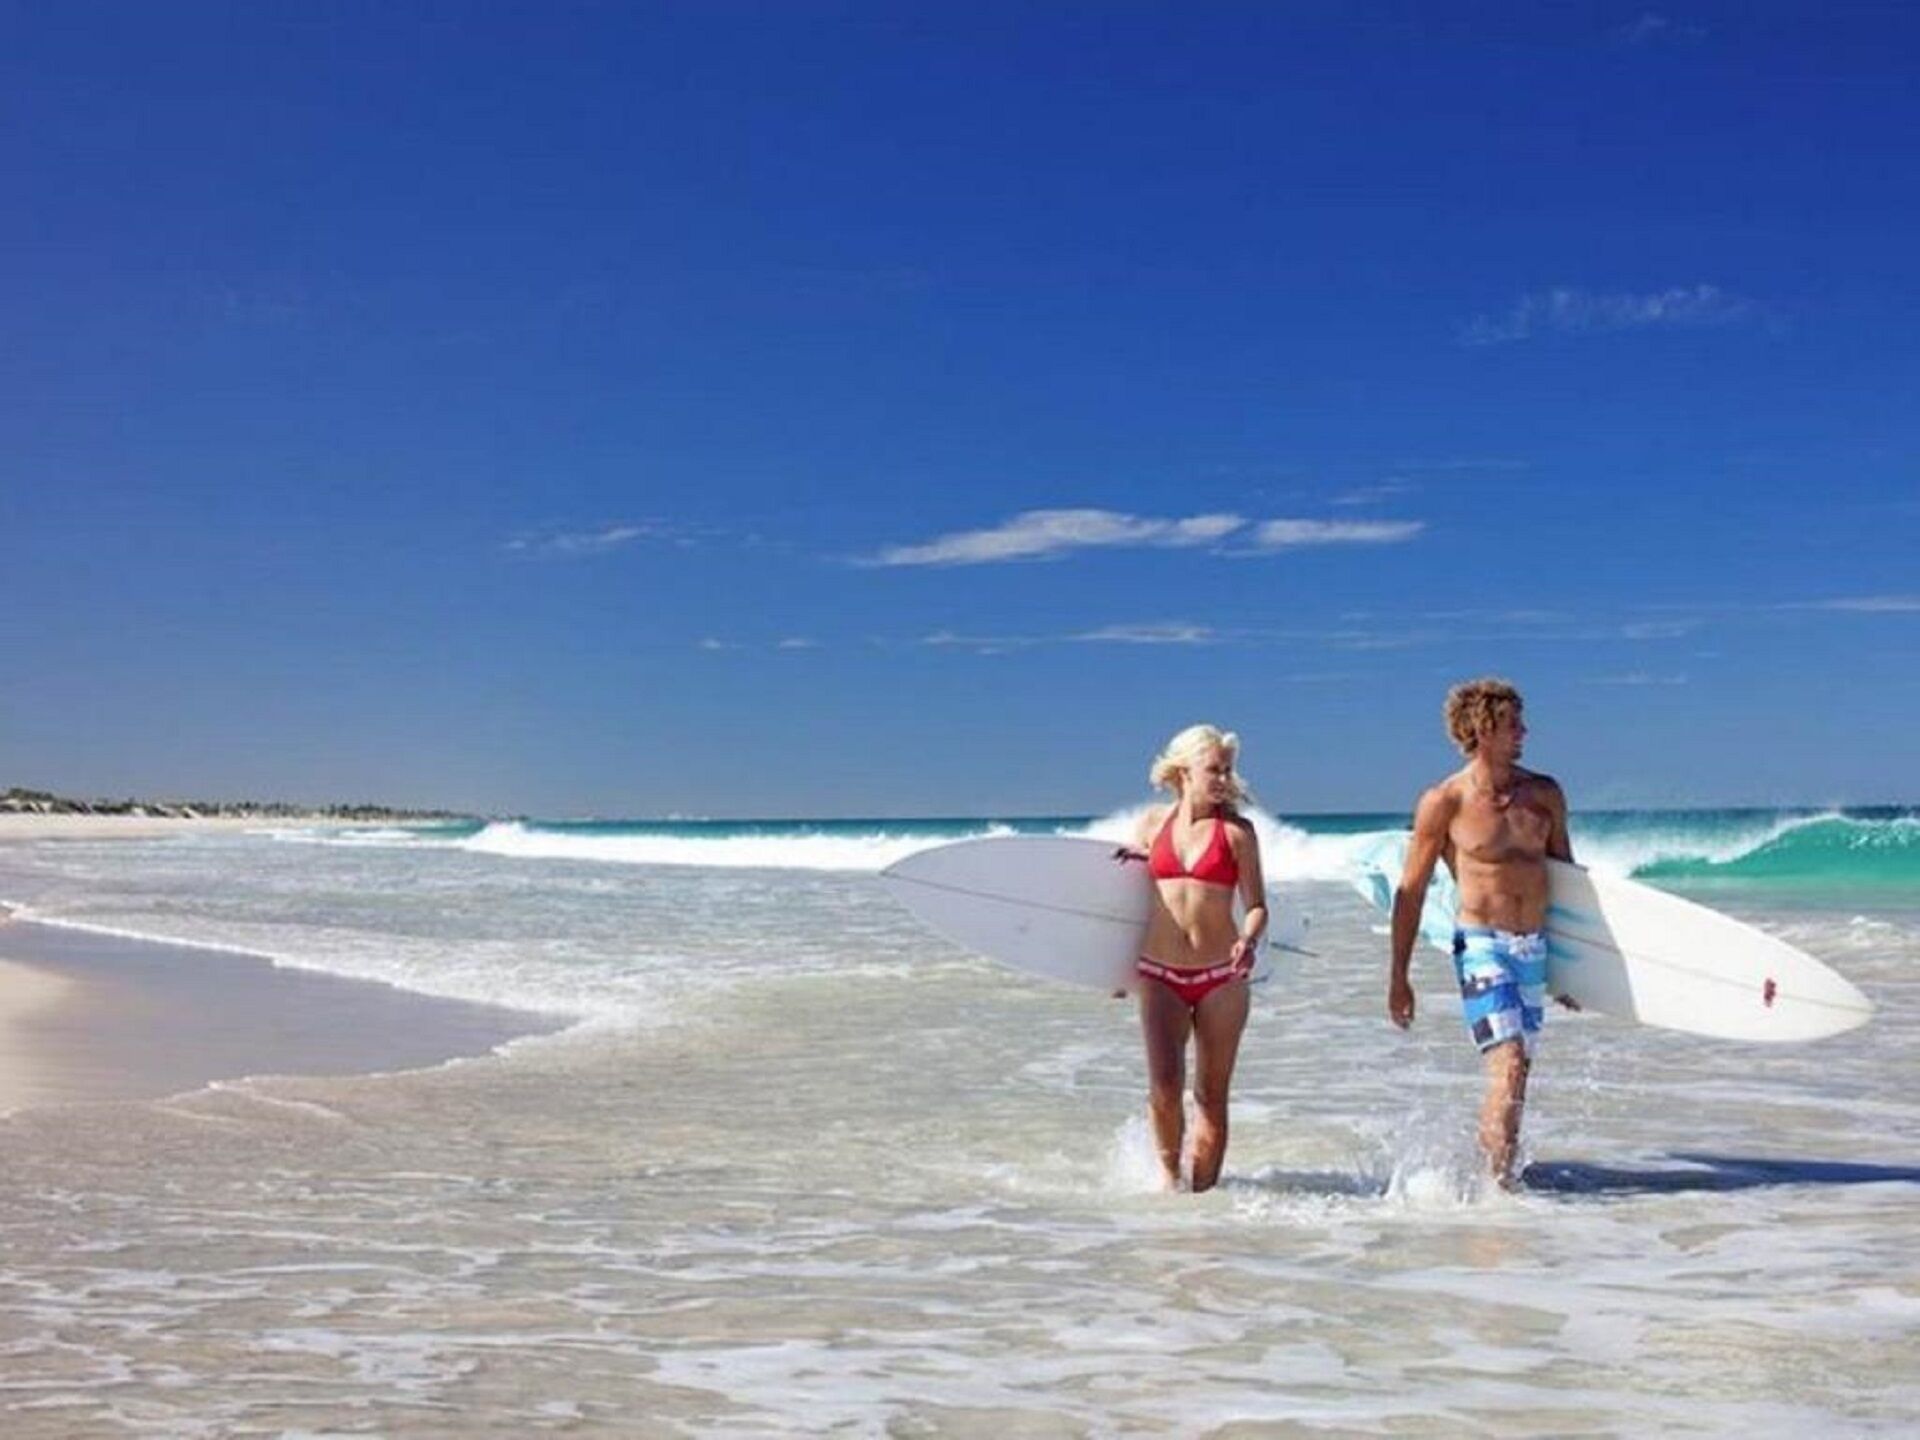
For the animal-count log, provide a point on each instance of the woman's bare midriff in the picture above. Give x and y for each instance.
(1192, 926)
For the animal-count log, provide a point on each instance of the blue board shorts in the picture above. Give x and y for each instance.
(1503, 984)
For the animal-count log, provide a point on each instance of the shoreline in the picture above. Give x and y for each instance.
(21, 826)
(87, 1017)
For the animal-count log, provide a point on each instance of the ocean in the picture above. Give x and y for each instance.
(794, 1166)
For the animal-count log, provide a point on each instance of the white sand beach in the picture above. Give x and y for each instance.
(30, 997)
(88, 1015)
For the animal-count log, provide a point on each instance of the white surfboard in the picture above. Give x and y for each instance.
(1063, 906)
(1621, 948)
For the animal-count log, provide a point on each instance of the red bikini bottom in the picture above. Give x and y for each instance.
(1192, 986)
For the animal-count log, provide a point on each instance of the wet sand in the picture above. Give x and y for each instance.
(90, 1017)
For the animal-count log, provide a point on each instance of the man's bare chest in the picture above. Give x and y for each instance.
(1491, 834)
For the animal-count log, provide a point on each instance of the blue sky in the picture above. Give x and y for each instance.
(838, 409)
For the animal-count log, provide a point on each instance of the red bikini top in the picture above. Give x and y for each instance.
(1216, 865)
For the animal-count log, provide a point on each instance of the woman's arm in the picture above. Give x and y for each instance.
(1253, 891)
(1147, 827)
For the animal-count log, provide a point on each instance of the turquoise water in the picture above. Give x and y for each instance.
(1874, 848)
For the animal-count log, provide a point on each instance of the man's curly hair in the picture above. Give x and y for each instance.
(1474, 705)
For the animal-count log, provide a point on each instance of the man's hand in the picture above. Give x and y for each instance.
(1400, 1001)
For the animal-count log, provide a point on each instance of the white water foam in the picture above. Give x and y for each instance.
(867, 853)
(1291, 851)
(1288, 852)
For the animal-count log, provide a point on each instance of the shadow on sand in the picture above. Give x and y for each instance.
(1708, 1172)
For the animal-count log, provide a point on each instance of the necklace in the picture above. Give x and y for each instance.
(1501, 798)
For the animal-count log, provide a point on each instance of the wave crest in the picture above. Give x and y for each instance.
(778, 850)
(1831, 849)
(1826, 848)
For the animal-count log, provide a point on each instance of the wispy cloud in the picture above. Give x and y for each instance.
(1359, 632)
(570, 543)
(1655, 29)
(1869, 604)
(1048, 534)
(1151, 633)
(1469, 464)
(1385, 490)
(1658, 629)
(798, 642)
(1637, 678)
(1501, 617)
(1042, 534)
(1271, 535)
(1567, 311)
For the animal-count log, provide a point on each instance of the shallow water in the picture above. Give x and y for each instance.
(809, 1170)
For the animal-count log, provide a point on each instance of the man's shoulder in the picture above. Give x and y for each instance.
(1440, 800)
(1546, 785)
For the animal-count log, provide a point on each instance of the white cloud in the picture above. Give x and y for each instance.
(1871, 604)
(566, 543)
(1373, 494)
(799, 642)
(1043, 534)
(1566, 311)
(1658, 629)
(1498, 617)
(1468, 465)
(1654, 29)
(1291, 534)
(1153, 634)
(1038, 534)
(953, 639)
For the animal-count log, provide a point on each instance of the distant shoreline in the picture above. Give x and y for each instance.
(15, 825)
(20, 801)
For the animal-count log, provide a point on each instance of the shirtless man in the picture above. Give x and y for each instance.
(1496, 825)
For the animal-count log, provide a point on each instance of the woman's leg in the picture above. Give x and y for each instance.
(1217, 1025)
(1166, 1022)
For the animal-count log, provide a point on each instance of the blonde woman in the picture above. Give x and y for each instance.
(1194, 962)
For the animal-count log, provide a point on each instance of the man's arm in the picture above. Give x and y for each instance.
(1559, 846)
(1431, 821)
(1559, 843)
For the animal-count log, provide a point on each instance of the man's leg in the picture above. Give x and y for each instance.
(1507, 1067)
(1218, 1023)
(1166, 1022)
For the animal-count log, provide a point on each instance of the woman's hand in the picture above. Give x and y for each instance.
(1243, 954)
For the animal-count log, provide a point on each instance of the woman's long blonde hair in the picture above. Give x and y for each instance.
(1191, 746)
